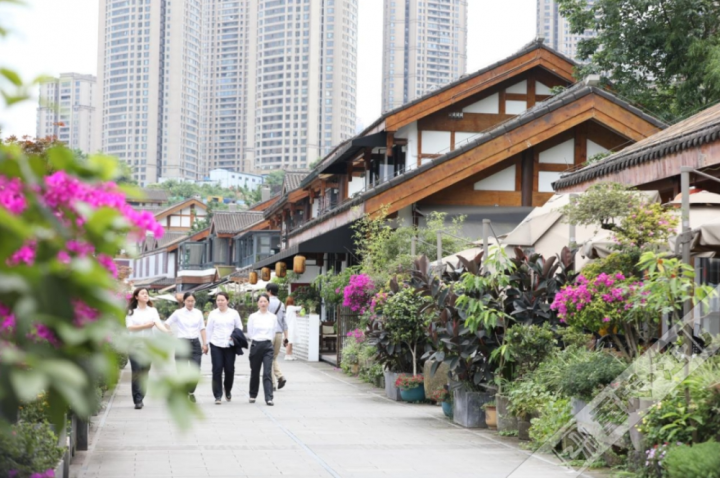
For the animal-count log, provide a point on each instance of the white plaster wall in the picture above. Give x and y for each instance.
(310, 274)
(563, 153)
(542, 89)
(185, 222)
(316, 203)
(501, 181)
(354, 186)
(593, 148)
(174, 221)
(513, 107)
(435, 142)
(185, 212)
(200, 212)
(410, 133)
(489, 105)
(171, 264)
(545, 180)
(405, 216)
(462, 138)
(518, 88)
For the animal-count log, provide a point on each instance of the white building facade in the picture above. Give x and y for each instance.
(66, 111)
(149, 86)
(228, 179)
(425, 47)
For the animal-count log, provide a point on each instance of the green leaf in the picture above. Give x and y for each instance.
(13, 77)
(28, 384)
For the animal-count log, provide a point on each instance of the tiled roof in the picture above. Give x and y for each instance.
(292, 180)
(170, 208)
(233, 222)
(170, 237)
(697, 130)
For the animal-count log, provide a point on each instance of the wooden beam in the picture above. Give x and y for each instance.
(580, 145)
(531, 92)
(389, 143)
(528, 172)
(502, 101)
(634, 125)
(349, 173)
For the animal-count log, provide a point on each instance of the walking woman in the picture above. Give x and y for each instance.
(261, 330)
(141, 318)
(221, 324)
(190, 328)
(291, 313)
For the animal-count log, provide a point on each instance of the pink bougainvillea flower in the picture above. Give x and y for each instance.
(108, 263)
(24, 255)
(42, 333)
(7, 319)
(63, 257)
(11, 195)
(84, 313)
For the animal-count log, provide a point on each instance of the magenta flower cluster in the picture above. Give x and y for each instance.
(357, 334)
(11, 195)
(357, 293)
(7, 319)
(573, 299)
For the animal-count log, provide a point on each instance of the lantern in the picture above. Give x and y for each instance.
(299, 264)
(253, 277)
(280, 269)
(265, 274)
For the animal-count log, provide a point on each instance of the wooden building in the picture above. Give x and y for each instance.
(488, 145)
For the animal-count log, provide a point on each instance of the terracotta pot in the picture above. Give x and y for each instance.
(491, 417)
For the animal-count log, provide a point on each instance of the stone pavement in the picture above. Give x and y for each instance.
(323, 424)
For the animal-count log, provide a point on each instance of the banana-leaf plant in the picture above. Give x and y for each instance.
(534, 281)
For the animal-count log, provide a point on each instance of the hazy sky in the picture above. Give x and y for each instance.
(56, 36)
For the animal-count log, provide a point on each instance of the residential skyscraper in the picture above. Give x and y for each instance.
(149, 72)
(305, 80)
(555, 29)
(66, 111)
(424, 47)
(228, 85)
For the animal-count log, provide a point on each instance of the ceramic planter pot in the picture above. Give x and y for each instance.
(584, 419)
(467, 408)
(391, 391)
(416, 394)
(491, 417)
(447, 409)
(505, 422)
(355, 368)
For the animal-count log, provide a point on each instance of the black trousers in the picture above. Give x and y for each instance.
(261, 355)
(139, 380)
(223, 360)
(194, 358)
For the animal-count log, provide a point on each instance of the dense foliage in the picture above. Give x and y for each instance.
(661, 54)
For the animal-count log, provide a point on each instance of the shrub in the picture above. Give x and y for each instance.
(527, 398)
(36, 411)
(697, 461)
(554, 415)
(584, 379)
(29, 448)
(527, 346)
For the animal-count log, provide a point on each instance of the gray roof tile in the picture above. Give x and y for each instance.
(234, 222)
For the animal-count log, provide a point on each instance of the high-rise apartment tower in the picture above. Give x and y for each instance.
(149, 73)
(556, 30)
(425, 47)
(66, 111)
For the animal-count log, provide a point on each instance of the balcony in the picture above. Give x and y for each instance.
(254, 246)
(193, 256)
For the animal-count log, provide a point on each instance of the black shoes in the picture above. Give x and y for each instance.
(281, 382)
(139, 405)
(228, 397)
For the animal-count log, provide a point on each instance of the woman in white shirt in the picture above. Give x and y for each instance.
(261, 330)
(221, 324)
(291, 313)
(140, 320)
(190, 325)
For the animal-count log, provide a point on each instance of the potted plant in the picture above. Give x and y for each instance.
(412, 388)
(444, 398)
(490, 415)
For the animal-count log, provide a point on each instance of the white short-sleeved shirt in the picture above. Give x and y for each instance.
(261, 326)
(221, 325)
(189, 323)
(142, 317)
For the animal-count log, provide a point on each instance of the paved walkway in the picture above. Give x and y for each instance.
(323, 424)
